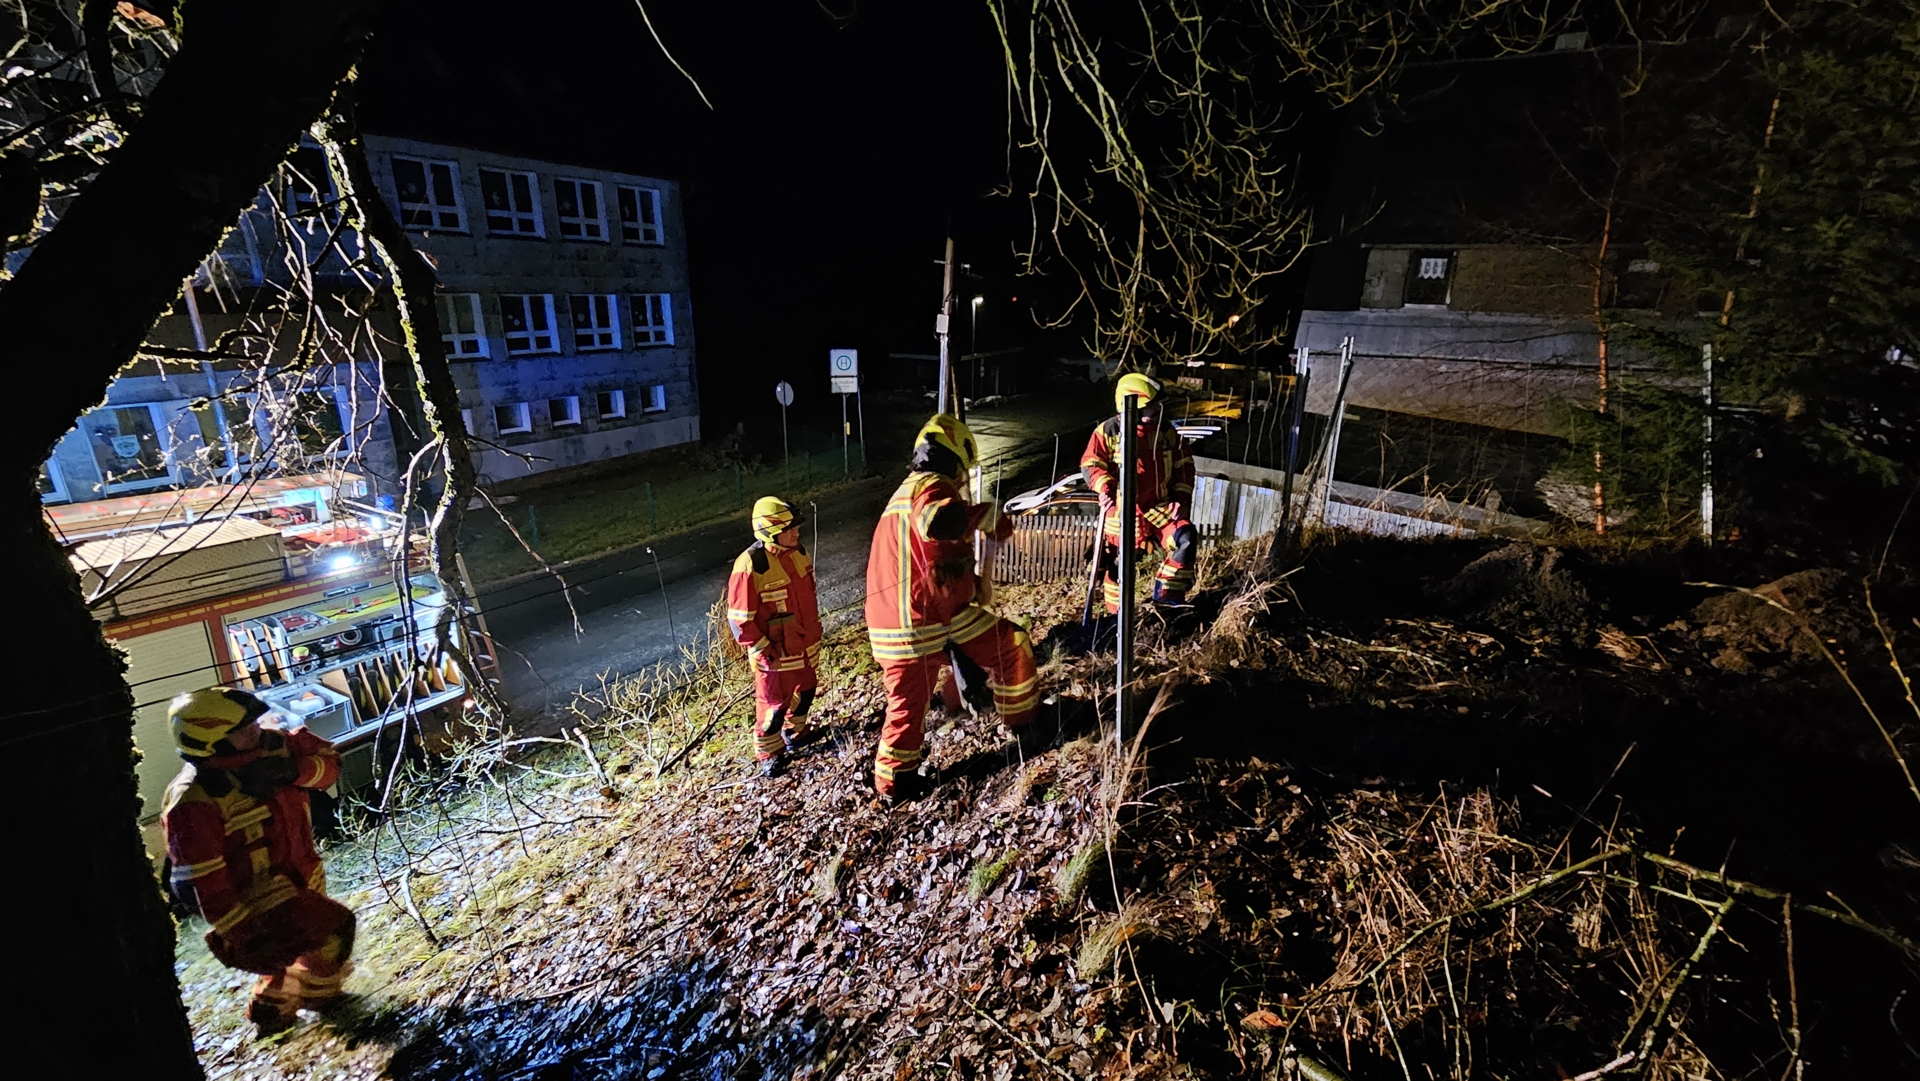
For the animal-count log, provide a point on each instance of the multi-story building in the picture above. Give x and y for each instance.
(565, 302)
(564, 305)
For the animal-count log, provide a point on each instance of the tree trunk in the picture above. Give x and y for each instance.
(429, 383)
(95, 993)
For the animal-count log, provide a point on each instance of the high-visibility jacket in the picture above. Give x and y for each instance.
(242, 856)
(920, 574)
(772, 609)
(1164, 472)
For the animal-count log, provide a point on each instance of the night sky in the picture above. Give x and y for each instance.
(820, 186)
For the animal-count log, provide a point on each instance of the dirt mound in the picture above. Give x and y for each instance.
(1774, 625)
(1524, 589)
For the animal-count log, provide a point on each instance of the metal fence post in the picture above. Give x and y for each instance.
(1123, 625)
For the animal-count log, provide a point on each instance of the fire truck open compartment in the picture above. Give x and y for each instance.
(299, 599)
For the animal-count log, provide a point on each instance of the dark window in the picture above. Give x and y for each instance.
(1429, 277)
(639, 215)
(428, 195)
(511, 206)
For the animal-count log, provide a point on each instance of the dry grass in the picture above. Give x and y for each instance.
(1100, 948)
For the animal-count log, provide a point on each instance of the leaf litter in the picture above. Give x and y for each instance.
(1258, 884)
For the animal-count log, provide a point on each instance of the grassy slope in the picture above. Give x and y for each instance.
(705, 924)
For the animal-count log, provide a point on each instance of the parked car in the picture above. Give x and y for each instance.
(1068, 495)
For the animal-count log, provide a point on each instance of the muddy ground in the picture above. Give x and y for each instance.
(1457, 809)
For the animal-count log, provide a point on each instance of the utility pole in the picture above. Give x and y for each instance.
(1706, 444)
(1123, 624)
(940, 324)
(214, 401)
(1339, 415)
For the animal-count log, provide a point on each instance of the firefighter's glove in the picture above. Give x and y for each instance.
(265, 775)
(235, 942)
(1002, 529)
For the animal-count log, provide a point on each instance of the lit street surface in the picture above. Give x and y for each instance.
(627, 622)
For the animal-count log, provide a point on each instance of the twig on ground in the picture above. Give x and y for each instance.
(1595, 1074)
(1022, 1044)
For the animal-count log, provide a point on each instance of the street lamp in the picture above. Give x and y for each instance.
(973, 346)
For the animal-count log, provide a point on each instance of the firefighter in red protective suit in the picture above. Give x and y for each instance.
(923, 598)
(239, 838)
(1163, 490)
(774, 615)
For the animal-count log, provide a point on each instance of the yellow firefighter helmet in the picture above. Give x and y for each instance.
(1142, 387)
(950, 433)
(771, 517)
(202, 718)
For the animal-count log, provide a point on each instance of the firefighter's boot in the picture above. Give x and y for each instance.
(275, 1006)
(318, 993)
(799, 732)
(907, 787)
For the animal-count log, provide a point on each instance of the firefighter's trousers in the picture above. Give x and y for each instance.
(299, 947)
(1006, 653)
(781, 704)
(1179, 542)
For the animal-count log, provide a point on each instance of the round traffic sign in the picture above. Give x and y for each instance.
(783, 393)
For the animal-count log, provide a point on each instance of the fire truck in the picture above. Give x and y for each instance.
(293, 588)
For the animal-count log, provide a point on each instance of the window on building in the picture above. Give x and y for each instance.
(640, 215)
(612, 403)
(596, 322)
(528, 321)
(652, 319)
(131, 446)
(583, 214)
(1429, 277)
(460, 326)
(226, 422)
(309, 185)
(657, 398)
(564, 411)
(53, 484)
(315, 417)
(513, 206)
(512, 417)
(429, 194)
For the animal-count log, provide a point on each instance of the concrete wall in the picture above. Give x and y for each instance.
(1499, 370)
(1515, 335)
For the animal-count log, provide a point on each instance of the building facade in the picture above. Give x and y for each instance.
(565, 302)
(564, 306)
(1485, 334)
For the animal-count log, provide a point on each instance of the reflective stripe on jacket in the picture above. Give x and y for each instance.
(1164, 474)
(920, 572)
(772, 609)
(241, 855)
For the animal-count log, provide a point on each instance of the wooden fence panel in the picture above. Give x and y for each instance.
(1047, 548)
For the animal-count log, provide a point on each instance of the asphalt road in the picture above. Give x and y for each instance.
(633, 613)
